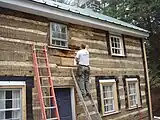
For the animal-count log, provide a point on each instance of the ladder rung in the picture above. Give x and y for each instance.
(38, 49)
(52, 119)
(48, 97)
(44, 76)
(45, 86)
(42, 66)
(93, 113)
(42, 58)
(50, 107)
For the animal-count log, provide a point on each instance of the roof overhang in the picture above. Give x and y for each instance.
(31, 7)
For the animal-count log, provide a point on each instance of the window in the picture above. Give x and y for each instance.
(116, 45)
(10, 104)
(109, 100)
(58, 34)
(133, 93)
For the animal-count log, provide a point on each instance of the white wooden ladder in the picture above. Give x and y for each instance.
(92, 114)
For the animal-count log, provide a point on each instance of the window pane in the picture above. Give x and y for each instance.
(1, 115)
(63, 29)
(113, 50)
(63, 43)
(109, 88)
(8, 114)
(104, 88)
(63, 36)
(109, 94)
(8, 94)
(16, 94)
(113, 44)
(57, 28)
(53, 28)
(2, 104)
(8, 104)
(118, 41)
(118, 51)
(58, 43)
(55, 35)
(111, 107)
(112, 39)
(2, 101)
(53, 42)
(15, 103)
(116, 45)
(1, 94)
(16, 114)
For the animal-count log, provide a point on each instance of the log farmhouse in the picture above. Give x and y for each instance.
(119, 80)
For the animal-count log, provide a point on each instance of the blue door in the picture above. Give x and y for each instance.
(63, 96)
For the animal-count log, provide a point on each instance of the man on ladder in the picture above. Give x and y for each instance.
(83, 70)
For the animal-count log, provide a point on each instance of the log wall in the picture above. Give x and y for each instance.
(19, 31)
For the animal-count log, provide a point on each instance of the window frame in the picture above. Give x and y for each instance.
(14, 85)
(12, 109)
(58, 39)
(108, 82)
(138, 96)
(122, 47)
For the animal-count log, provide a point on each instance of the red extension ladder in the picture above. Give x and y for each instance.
(44, 83)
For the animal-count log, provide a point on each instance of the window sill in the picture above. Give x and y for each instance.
(60, 48)
(114, 55)
(133, 108)
(111, 113)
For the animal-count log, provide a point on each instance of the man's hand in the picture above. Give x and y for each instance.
(77, 61)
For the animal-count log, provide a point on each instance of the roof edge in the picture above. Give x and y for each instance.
(70, 17)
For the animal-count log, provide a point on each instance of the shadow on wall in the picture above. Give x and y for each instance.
(156, 101)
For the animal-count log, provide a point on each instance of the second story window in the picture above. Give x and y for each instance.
(116, 45)
(59, 36)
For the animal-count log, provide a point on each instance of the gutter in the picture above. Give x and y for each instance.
(55, 13)
(148, 92)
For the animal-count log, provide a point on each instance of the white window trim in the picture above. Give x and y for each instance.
(115, 105)
(66, 40)
(135, 80)
(6, 83)
(121, 45)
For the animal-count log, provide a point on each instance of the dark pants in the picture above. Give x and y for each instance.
(83, 73)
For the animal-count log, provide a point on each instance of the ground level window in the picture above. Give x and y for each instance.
(10, 104)
(133, 92)
(108, 98)
(108, 93)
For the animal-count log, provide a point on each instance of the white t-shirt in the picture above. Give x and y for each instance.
(83, 56)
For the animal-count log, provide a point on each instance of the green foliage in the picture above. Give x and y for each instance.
(145, 14)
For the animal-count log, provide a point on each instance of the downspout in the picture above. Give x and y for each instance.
(147, 79)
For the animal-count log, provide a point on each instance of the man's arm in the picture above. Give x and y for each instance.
(77, 58)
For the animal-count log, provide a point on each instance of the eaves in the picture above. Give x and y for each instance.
(61, 14)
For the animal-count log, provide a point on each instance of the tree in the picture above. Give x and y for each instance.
(145, 14)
